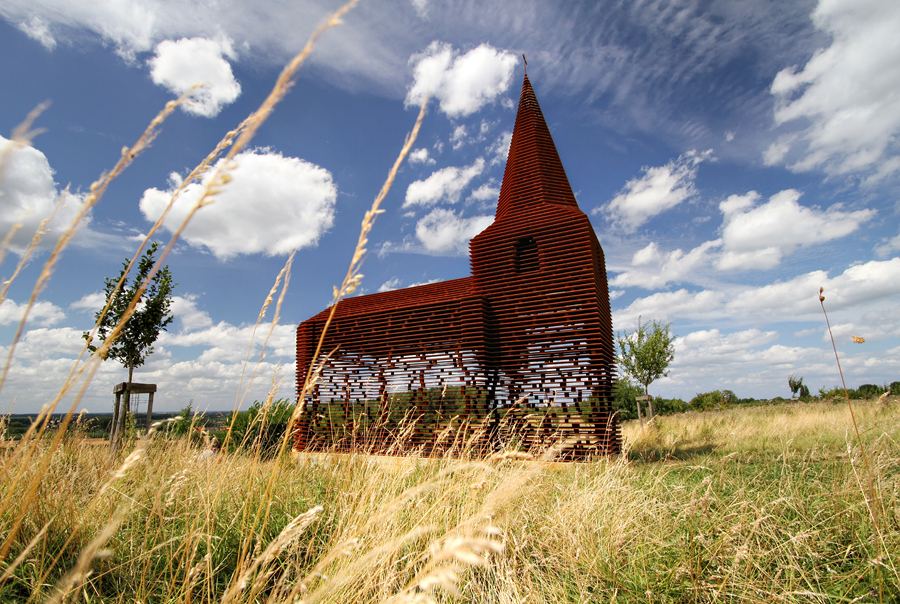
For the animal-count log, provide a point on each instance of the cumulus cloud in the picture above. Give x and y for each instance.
(445, 184)
(184, 308)
(659, 189)
(179, 65)
(844, 102)
(500, 148)
(92, 302)
(485, 192)
(863, 283)
(462, 83)
(653, 269)
(273, 204)
(792, 300)
(28, 195)
(665, 306)
(757, 236)
(42, 313)
(420, 156)
(445, 232)
(711, 347)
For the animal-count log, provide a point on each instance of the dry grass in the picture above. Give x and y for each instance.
(758, 505)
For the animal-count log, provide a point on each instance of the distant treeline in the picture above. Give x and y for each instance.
(625, 398)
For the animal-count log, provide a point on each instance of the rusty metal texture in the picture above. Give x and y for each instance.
(518, 355)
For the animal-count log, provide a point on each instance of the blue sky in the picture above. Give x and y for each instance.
(734, 156)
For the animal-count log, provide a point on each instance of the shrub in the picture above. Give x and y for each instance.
(670, 406)
(868, 391)
(712, 400)
(895, 388)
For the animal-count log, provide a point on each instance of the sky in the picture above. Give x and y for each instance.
(734, 156)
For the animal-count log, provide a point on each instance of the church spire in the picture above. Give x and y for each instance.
(534, 173)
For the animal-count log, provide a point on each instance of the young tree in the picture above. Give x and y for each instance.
(796, 384)
(135, 341)
(645, 353)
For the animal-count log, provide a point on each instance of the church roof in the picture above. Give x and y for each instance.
(534, 172)
(417, 296)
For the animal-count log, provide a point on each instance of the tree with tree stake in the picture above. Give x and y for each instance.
(148, 300)
(645, 354)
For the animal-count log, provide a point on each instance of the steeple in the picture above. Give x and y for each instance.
(534, 173)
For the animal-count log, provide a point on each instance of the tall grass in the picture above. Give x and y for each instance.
(749, 505)
(754, 505)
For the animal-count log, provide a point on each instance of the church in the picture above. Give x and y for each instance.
(517, 356)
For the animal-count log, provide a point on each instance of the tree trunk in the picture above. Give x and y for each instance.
(650, 414)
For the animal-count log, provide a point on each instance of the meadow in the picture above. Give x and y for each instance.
(763, 504)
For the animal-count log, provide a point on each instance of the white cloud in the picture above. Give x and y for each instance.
(397, 283)
(421, 7)
(889, 245)
(458, 138)
(177, 66)
(28, 195)
(420, 156)
(757, 236)
(796, 297)
(858, 287)
(712, 348)
(666, 306)
(444, 232)
(445, 184)
(654, 270)
(845, 99)
(185, 309)
(273, 205)
(209, 375)
(42, 313)
(500, 148)
(658, 190)
(92, 302)
(486, 192)
(37, 29)
(462, 84)
(390, 285)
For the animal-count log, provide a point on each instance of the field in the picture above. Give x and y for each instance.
(764, 504)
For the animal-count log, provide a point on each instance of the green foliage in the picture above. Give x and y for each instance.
(795, 383)
(895, 388)
(261, 428)
(669, 406)
(134, 342)
(645, 354)
(717, 399)
(624, 401)
(868, 391)
(182, 425)
(624, 393)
